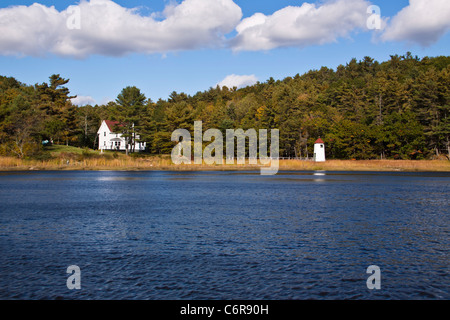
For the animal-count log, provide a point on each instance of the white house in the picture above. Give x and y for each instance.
(319, 151)
(110, 140)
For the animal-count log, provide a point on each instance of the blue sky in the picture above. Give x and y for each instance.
(196, 44)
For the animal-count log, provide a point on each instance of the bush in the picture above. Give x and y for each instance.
(106, 156)
(42, 156)
(68, 156)
(86, 154)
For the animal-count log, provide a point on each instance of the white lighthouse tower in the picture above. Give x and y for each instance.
(319, 151)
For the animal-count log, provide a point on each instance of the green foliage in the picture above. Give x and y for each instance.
(398, 109)
(86, 154)
(130, 110)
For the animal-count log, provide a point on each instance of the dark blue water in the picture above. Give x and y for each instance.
(224, 235)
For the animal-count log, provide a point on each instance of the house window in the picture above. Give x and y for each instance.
(104, 133)
(104, 143)
(321, 145)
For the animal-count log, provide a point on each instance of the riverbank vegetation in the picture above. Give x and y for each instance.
(364, 110)
(88, 160)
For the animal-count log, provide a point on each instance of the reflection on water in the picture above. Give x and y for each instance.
(224, 235)
(119, 178)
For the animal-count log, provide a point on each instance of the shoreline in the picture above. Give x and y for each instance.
(163, 164)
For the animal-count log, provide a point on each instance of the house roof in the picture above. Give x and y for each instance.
(319, 141)
(111, 124)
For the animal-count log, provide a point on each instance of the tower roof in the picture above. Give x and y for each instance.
(319, 141)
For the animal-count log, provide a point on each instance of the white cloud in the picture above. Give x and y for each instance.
(83, 100)
(301, 26)
(238, 81)
(422, 22)
(106, 100)
(107, 28)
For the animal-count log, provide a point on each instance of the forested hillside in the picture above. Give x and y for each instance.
(398, 109)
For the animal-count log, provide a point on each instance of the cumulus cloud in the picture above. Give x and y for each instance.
(83, 100)
(239, 81)
(302, 26)
(422, 22)
(103, 27)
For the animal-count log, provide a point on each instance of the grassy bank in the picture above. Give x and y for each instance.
(122, 162)
(70, 158)
(369, 165)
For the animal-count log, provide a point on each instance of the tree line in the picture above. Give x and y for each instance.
(397, 109)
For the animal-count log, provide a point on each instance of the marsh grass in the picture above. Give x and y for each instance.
(367, 165)
(110, 161)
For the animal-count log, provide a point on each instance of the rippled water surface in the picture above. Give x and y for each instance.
(224, 235)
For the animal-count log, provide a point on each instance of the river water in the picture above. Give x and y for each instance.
(224, 235)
